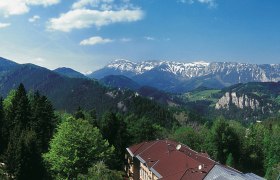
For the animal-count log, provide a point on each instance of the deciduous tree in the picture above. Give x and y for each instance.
(75, 147)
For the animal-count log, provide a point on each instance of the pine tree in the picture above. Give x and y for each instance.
(109, 126)
(225, 141)
(13, 152)
(3, 138)
(7, 119)
(18, 119)
(29, 164)
(114, 129)
(93, 118)
(29, 134)
(43, 120)
(21, 113)
(79, 114)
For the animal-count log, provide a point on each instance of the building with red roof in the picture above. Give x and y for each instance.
(170, 160)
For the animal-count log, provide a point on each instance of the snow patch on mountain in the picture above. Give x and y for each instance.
(183, 69)
(237, 72)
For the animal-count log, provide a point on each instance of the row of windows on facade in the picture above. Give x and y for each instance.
(144, 175)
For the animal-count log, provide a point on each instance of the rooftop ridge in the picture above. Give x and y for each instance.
(149, 147)
(138, 147)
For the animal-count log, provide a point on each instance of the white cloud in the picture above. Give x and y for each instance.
(85, 18)
(98, 13)
(4, 25)
(17, 7)
(93, 3)
(34, 18)
(185, 1)
(167, 39)
(39, 59)
(210, 3)
(125, 39)
(42, 2)
(95, 40)
(103, 4)
(149, 38)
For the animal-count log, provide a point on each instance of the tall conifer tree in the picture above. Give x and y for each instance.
(3, 139)
(43, 120)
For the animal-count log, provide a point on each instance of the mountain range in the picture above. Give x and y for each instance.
(179, 77)
(69, 89)
(68, 72)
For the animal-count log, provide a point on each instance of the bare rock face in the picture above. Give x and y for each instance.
(239, 101)
(223, 103)
(122, 106)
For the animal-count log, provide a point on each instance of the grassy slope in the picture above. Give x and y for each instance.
(202, 95)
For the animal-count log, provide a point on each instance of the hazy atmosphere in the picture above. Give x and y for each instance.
(87, 34)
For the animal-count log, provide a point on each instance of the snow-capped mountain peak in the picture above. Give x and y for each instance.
(86, 73)
(144, 66)
(201, 63)
(122, 65)
(221, 73)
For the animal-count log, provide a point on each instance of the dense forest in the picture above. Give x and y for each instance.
(38, 142)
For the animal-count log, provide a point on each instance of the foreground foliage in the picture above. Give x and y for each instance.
(100, 171)
(27, 124)
(75, 147)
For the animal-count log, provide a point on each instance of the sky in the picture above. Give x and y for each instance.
(87, 34)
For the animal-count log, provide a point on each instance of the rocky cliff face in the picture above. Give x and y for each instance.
(241, 102)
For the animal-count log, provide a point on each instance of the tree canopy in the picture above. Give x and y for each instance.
(75, 147)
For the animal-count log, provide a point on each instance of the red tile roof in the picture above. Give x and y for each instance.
(169, 163)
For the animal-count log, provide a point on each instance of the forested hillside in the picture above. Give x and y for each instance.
(67, 94)
(68, 72)
(246, 102)
(252, 148)
(39, 143)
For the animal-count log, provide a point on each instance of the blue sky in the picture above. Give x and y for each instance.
(87, 34)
